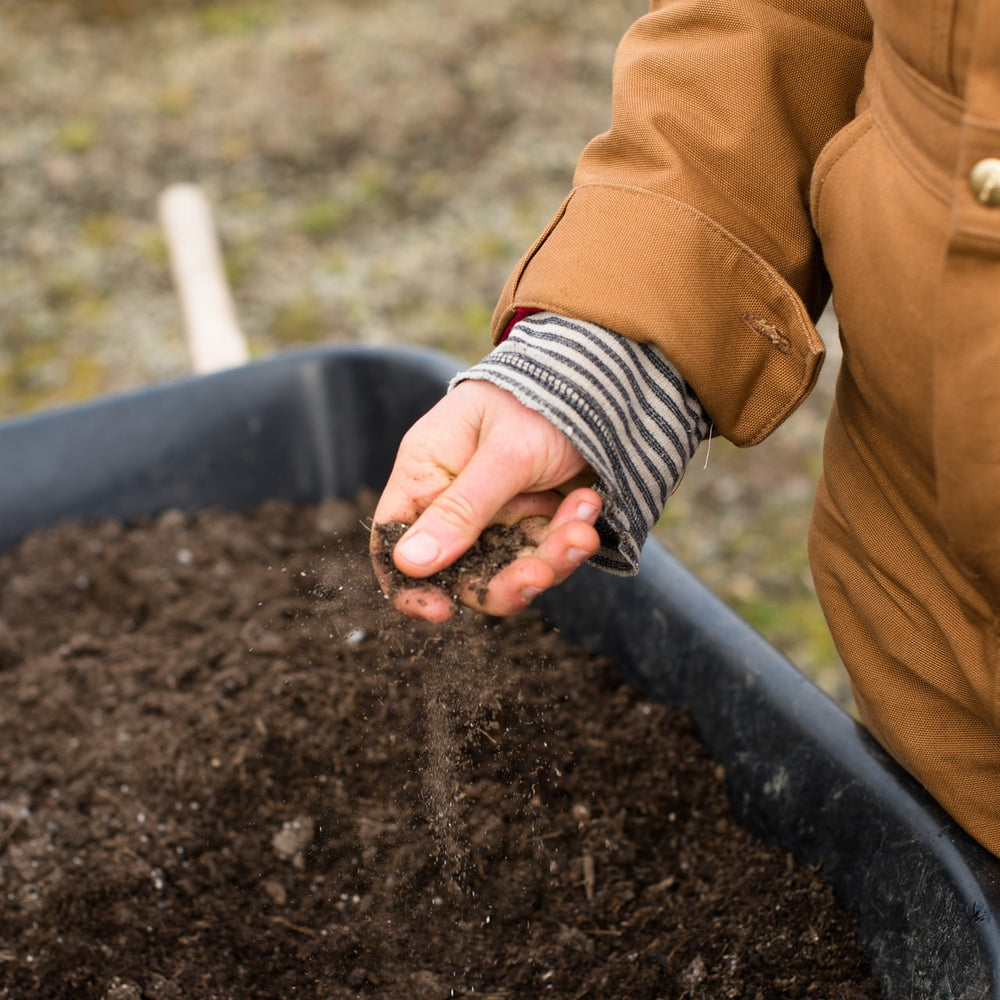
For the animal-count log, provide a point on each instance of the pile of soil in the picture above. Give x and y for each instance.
(229, 770)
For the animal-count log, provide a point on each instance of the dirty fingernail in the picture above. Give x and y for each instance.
(528, 594)
(420, 549)
(575, 555)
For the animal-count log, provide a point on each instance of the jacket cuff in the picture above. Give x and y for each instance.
(624, 407)
(738, 333)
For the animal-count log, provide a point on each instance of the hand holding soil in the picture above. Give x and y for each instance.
(481, 458)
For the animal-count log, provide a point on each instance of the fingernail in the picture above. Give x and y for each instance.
(575, 556)
(420, 549)
(587, 512)
(528, 594)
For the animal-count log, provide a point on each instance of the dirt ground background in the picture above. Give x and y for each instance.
(376, 168)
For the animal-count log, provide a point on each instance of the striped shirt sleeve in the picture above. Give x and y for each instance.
(624, 407)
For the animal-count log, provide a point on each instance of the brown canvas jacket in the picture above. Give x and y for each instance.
(760, 152)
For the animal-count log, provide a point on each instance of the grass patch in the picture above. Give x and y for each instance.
(301, 321)
(77, 135)
(236, 18)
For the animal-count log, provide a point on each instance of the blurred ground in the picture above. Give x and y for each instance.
(376, 167)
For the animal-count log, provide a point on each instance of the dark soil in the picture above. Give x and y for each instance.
(229, 770)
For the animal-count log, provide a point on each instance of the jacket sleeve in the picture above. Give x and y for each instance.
(688, 224)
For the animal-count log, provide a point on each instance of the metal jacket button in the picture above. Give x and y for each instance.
(985, 182)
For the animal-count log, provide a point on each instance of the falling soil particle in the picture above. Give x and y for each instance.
(229, 770)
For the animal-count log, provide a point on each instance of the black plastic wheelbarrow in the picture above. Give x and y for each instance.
(802, 774)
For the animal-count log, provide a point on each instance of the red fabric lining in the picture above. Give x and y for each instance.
(520, 313)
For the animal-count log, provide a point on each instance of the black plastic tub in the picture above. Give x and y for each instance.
(802, 774)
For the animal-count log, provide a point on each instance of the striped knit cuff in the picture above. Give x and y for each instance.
(624, 407)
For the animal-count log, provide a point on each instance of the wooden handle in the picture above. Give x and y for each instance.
(214, 337)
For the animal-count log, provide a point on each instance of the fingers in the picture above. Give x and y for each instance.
(509, 592)
(560, 545)
(490, 455)
(478, 458)
(451, 476)
(561, 552)
(571, 538)
(428, 603)
(457, 516)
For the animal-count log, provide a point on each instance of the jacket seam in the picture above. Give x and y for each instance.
(859, 128)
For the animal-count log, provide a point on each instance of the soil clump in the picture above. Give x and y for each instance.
(496, 546)
(230, 770)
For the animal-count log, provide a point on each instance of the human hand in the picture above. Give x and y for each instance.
(480, 457)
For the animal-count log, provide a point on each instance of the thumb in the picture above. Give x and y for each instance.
(456, 517)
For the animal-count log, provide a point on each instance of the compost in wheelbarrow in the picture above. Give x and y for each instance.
(801, 774)
(239, 773)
